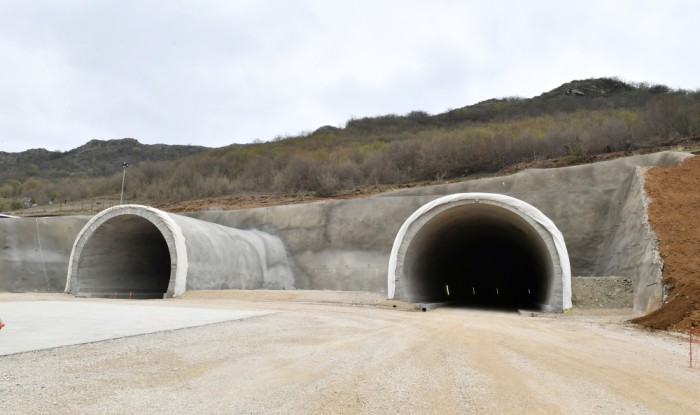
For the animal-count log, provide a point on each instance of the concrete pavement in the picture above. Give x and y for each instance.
(37, 325)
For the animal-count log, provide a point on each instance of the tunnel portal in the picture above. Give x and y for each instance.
(142, 252)
(482, 251)
(126, 255)
(128, 251)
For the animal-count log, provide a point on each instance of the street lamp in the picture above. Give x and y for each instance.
(121, 198)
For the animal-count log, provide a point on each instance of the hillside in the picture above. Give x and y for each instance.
(573, 123)
(96, 158)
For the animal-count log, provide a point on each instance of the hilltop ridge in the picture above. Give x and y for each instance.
(95, 158)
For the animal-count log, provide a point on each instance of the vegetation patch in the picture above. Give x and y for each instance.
(577, 122)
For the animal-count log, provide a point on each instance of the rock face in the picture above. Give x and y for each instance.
(590, 87)
(574, 91)
(602, 292)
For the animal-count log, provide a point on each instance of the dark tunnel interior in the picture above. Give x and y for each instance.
(126, 256)
(480, 256)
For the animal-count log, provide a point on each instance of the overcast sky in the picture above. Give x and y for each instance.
(217, 72)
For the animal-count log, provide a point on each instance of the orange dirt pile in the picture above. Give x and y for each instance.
(674, 213)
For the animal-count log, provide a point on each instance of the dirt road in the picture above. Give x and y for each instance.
(321, 358)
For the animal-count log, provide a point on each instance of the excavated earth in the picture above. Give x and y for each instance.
(674, 213)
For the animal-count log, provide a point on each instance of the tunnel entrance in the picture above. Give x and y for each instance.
(482, 251)
(476, 258)
(126, 256)
(154, 254)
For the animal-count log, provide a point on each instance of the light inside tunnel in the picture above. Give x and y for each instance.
(481, 256)
(481, 250)
(125, 254)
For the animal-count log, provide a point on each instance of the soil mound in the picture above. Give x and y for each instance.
(674, 213)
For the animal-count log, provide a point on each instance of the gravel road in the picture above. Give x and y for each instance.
(310, 358)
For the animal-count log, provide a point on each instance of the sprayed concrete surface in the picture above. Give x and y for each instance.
(320, 359)
(34, 252)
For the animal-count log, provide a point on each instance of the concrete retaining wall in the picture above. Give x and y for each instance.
(34, 252)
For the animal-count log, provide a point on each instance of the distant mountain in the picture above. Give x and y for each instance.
(96, 158)
(578, 95)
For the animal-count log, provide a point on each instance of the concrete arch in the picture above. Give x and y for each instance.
(489, 247)
(151, 253)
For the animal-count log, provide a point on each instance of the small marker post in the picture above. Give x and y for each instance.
(693, 337)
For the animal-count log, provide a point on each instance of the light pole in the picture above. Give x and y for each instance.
(121, 198)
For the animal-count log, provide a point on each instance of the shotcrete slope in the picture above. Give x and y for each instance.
(34, 252)
(599, 208)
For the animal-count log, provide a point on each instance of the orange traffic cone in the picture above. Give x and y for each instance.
(1, 325)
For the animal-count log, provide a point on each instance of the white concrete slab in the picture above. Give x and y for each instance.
(37, 325)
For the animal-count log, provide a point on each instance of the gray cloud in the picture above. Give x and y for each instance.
(219, 72)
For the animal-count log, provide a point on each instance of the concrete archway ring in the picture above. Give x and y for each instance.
(478, 242)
